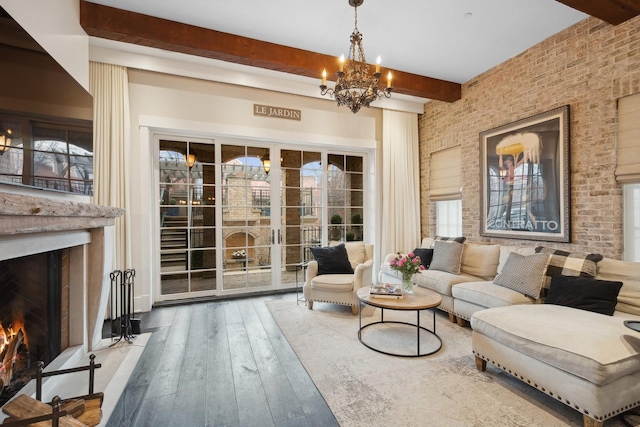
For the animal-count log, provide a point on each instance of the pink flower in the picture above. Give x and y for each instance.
(421, 267)
(411, 254)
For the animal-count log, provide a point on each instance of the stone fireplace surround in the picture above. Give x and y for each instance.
(30, 225)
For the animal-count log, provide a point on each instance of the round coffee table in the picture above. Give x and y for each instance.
(421, 299)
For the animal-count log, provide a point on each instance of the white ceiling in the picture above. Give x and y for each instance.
(453, 40)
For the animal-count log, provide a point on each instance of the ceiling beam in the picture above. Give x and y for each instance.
(613, 12)
(130, 27)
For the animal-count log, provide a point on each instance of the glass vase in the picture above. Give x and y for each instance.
(407, 285)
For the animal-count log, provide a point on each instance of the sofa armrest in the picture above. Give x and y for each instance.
(389, 257)
(362, 275)
(312, 271)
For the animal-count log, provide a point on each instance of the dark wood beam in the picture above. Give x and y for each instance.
(129, 27)
(613, 12)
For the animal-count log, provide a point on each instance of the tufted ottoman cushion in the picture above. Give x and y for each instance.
(333, 282)
(589, 345)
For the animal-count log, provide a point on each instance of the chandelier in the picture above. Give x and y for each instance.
(355, 88)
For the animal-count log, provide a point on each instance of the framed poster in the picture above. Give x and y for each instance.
(524, 178)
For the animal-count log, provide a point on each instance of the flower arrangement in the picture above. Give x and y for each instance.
(407, 265)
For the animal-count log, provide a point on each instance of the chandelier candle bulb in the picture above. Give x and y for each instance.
(341, 61)
(389, 77)
(324, 77)
(378, 64)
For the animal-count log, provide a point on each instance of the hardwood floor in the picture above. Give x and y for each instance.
(220, 363)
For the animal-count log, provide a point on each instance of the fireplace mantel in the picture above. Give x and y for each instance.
(20, 214)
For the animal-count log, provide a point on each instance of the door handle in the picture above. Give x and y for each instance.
(279, 237)
(273, 238)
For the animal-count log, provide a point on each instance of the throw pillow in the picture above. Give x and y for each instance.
(599, 296)
(459, 239)
(447, 256)
(524, 274)
(356, 253)
(332, 260)
(578, 264)
(425, 256)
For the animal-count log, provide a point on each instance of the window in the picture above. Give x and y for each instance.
(449, 218)
(631, 222)
(52, 154)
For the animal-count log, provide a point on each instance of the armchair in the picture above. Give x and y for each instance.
(341, 288)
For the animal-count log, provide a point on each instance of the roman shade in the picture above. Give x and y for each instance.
(445, 174)
(628, 151)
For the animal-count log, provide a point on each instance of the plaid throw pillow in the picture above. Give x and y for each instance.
(459, 239)
(577, 264)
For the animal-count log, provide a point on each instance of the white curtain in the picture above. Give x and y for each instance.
(400, 225)
(109, 85)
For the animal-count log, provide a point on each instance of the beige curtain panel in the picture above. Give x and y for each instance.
(400, 182)
(109, 85)
(445, 179)
(628, 151)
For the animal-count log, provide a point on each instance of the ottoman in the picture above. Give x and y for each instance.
(586, 360)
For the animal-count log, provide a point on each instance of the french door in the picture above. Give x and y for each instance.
(237, 218)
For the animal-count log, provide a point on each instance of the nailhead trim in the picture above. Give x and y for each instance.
(566, 402)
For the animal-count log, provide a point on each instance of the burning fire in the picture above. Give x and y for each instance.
(11, 339)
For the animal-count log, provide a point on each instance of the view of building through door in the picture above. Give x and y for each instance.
(237, 218)
(187, 181)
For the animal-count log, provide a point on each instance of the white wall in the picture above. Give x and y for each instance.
(169, 104)
(55, 25)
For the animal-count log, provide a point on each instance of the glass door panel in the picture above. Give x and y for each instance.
(345, 195)
(246, 218)
(301, 217)
(187, 217)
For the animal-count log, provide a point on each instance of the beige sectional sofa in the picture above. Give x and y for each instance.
(588, 361)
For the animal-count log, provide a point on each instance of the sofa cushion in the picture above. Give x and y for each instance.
(441, 281)
(480, 260)
(332, 260)
(447, 256)
(488, 295)
(590, 345)
(506, 250)
(524, 274)
(356, 253)
(425, 254)
(579, 264)
(333, 282)
(629, 274)
(599, 296)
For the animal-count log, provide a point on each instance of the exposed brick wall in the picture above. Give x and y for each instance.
(587, 66)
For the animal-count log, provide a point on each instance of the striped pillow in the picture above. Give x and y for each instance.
(576, 264)
(524, 274)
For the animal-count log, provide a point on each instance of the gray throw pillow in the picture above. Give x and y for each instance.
(524, 274)
(447, 256)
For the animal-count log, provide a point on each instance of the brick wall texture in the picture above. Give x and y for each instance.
(587, 66)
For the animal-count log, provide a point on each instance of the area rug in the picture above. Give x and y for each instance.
(366, 388)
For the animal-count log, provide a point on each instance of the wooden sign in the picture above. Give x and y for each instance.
(277, 112)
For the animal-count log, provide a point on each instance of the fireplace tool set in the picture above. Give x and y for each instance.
(122, 297)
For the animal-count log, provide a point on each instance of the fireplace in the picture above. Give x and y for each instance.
(34, 316)
(77, 241)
